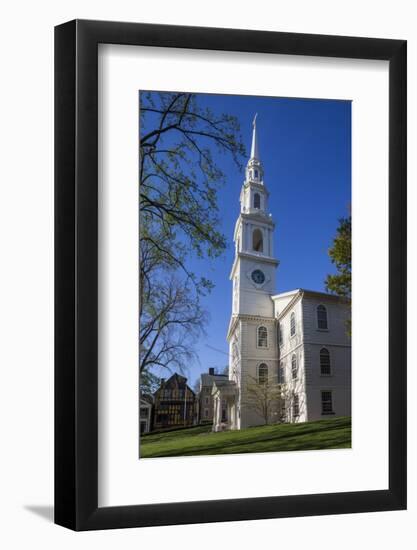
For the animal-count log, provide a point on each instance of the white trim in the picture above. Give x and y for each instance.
(252, 358)
(327, 344)
(285, 294)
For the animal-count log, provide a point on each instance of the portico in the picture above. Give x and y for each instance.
(224, 394)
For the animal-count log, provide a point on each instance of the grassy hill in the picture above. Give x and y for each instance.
(334, 433)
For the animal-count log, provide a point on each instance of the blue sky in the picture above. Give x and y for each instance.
(305, 148)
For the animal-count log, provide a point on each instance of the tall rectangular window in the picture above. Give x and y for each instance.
(292, 324)
(283, 412)
(281, 373)
(326, 402)
(294, 367)
(325, 362)
(322, 317)
(280, 335)
(262, 337)
(295, 406)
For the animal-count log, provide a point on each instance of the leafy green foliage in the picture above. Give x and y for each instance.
(341, 256)
(149, 383)
(179, 183)
(179, 179)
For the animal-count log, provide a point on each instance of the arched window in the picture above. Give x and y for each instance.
(294, 367)
(256, 200)
(262, 337)
(321, 317)
(292, 324)
(325, 362)
(257, 241)
(263, 373)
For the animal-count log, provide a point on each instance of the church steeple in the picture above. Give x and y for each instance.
(254, 153)
(254, 169)
(254, 265)
(254, 195)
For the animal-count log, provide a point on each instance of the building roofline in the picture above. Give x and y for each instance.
(299, 294)
(284, 294)
(316, 293)
(175, 375)
(260, 217)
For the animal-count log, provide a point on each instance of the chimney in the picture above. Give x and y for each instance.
(211, 371)
(162, 381)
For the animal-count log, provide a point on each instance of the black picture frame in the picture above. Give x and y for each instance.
(76, 272)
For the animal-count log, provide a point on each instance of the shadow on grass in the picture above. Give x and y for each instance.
(176, 434)
(321, 435)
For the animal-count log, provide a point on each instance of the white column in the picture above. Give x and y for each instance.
(214, 413)
(217, 412)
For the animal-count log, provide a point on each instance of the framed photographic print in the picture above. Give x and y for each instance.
(230, 275)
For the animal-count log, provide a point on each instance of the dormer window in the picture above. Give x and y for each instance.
(256, 200)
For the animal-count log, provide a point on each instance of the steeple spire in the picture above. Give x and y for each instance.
(254, 170)
(254, 153)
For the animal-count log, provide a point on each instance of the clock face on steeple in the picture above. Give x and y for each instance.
(258, 277)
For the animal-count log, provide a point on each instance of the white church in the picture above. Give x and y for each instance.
(296, 341)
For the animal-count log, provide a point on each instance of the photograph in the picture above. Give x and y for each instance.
(244, 274)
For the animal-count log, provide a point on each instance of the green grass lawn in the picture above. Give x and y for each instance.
(334, 433)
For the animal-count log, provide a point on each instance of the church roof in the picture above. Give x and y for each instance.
(175, 381)
(311, 294)
(209, 379)
(301, 293)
